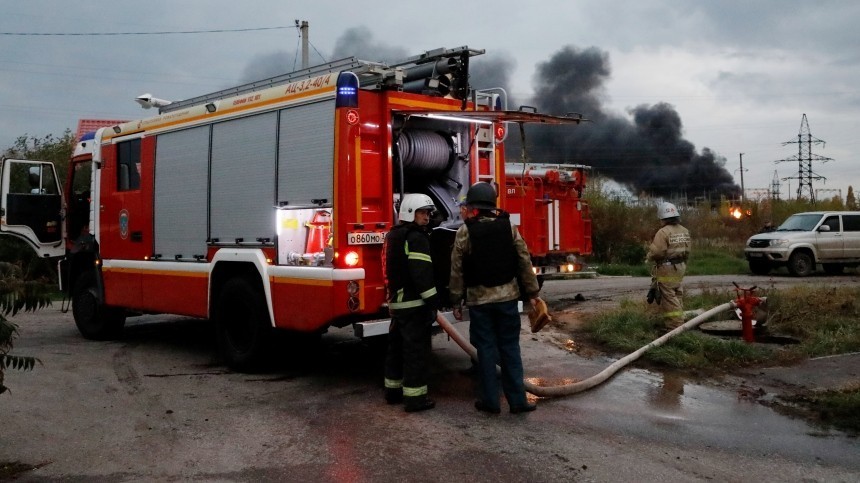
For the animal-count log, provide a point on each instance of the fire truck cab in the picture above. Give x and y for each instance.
(265, 206)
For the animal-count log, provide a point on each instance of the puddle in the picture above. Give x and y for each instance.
(642, 403)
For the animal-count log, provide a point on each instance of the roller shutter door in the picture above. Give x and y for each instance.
(306, 153)
(243, 179)
(181, 181)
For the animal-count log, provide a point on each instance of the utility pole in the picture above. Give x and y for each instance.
(742, 177)
(804, 159)
(303, 28)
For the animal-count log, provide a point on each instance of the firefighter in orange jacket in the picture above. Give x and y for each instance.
(412, 304)
(668, 252)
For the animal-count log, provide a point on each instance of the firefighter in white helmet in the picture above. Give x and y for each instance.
(412, 302)
(668, 254)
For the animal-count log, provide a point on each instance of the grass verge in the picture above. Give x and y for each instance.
(833, 408)
(703, 261)
(631, 327)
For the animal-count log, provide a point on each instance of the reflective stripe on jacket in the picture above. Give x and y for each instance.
(408, 267)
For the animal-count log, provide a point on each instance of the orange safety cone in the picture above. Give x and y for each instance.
(319, 229)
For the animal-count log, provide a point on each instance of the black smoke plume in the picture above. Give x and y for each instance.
(645, 151)
(358, 42)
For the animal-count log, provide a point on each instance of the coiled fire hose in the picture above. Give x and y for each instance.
(600, 377)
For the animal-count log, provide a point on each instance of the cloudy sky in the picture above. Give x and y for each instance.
(738, 74)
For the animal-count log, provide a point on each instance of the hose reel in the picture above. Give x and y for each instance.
(425, 154)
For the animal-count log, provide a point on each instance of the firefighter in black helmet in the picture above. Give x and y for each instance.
(412, 303)
(489, 264)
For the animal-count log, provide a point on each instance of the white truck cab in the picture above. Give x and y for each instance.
(31, 205)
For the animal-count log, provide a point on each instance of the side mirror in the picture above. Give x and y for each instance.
(824, 228)
(35, 177)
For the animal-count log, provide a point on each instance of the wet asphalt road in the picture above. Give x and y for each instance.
(157, 406)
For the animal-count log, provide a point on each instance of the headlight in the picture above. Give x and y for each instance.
(779, 243)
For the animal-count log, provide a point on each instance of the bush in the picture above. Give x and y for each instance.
(619, 232)
(16, 295)
(32, 267)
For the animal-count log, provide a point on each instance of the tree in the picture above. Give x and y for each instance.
(850, 200)
(17, 294)
(56, 150)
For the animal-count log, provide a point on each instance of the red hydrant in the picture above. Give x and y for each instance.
(747, 302)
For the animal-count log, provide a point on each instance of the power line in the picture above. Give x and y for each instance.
(167, 32)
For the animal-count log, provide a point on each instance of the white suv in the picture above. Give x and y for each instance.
(829, 238)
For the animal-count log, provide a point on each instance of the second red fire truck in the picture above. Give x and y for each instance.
(545, 201)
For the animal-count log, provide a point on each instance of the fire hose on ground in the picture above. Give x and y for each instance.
(602, 376)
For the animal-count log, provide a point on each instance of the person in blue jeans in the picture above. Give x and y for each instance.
(490, 264)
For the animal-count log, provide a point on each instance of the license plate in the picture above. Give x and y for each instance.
(755, 255)
(365, 237)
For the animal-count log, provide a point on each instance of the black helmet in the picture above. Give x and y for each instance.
(481, 196)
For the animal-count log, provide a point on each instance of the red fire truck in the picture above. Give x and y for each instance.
(545, 200)
(262, 206)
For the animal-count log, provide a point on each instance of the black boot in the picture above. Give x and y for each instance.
(393, 395)
(418, 403)
(526, 408)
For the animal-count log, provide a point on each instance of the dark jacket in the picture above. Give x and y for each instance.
(408, 268)
(481, 294)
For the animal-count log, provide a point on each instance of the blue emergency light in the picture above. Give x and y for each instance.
(347, 90)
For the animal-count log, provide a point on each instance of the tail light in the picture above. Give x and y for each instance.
(349, 259)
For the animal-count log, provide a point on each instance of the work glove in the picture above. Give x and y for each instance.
(539, 315)
(654, 296)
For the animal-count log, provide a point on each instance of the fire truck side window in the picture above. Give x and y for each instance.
(128, 165)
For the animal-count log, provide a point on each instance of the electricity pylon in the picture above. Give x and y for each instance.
(804, 159)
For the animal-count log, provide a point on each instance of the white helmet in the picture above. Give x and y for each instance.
(667, 210)
(413, 202)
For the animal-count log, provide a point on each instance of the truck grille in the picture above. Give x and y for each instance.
(759, 243)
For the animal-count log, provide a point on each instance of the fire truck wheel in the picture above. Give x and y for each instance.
(242, 325)
(95, 321)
